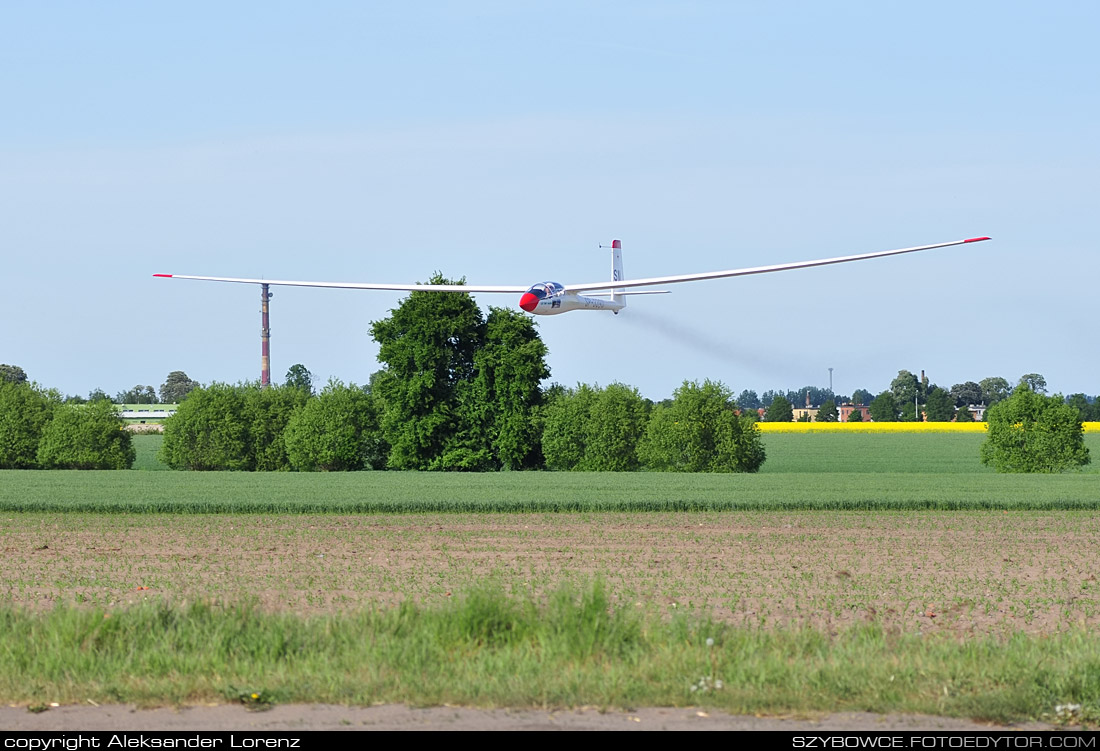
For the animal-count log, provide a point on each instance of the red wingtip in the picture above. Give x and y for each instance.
(616, 244)
(975, 239)
(169, 276)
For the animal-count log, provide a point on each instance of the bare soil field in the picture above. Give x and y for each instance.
(955, 572)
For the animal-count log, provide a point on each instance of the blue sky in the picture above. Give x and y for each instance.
(506, 141)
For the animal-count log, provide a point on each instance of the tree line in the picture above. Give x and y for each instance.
(40, 430)
(910, 399)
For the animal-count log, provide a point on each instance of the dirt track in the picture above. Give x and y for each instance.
(288, 718)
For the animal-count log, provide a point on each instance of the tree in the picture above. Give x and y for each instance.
(940, 406)
(856, 415)
(176, 387)
(748, 400)
(458, 391)
(565, 431)
(828, 412)
(209, 431)
(616, 426)
(700, 431)
(963, 414)
(780, 410)
(428, 346)
(503, 399)
(299, 377)
(884, 408)
(12, 374)
(336, 431)
(1030, 432)
(24, 413)
(595, 429)
(994, 389)
(1080, 402)
(907, 393)
(266, 412)
(966, 393)
(862, 396)
(86, 436)
(1035, 382)
(98, 395)
(137, 395)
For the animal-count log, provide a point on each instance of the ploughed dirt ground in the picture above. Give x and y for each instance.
(962, 573)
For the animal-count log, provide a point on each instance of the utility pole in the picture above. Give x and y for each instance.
(830, 380)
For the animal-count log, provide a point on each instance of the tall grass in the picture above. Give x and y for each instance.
(485, 649)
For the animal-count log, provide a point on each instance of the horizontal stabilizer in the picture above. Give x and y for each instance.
(631, 292)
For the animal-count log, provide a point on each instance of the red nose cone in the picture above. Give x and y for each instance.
(528, 302)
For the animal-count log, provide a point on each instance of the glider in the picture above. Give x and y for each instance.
(552, 298)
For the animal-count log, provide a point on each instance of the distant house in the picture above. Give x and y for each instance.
(846, 411)
(800, 414)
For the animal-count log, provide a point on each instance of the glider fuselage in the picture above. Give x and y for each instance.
(551, 299)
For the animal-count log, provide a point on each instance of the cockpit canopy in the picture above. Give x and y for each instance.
(546, 289)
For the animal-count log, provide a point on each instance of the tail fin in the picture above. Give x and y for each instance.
(617, 270)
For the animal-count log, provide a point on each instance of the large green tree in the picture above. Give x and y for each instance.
(700, 431)
(907, 392)
(1030, 432)
(458, 392)
(780, 410)
(994, 389)
(748, 399)
(966, 393)
(828, 412)
(1080, 402)
(12, 374)
(501, 404)
(1035, 382)
(940, 406)
(299, 377)
(24, 412)
(884, 408)
(86, 436)
(176, 387)
(428, 345)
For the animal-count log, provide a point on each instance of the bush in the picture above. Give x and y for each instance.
(1029, 432)
(209, 431)
(595, 430)
(24, 413)
(700, 431)
(336, 431)
(86, 436)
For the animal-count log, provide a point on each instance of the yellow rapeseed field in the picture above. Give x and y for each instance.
(885, 427)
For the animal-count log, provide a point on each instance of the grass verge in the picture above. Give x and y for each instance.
(486, 649)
